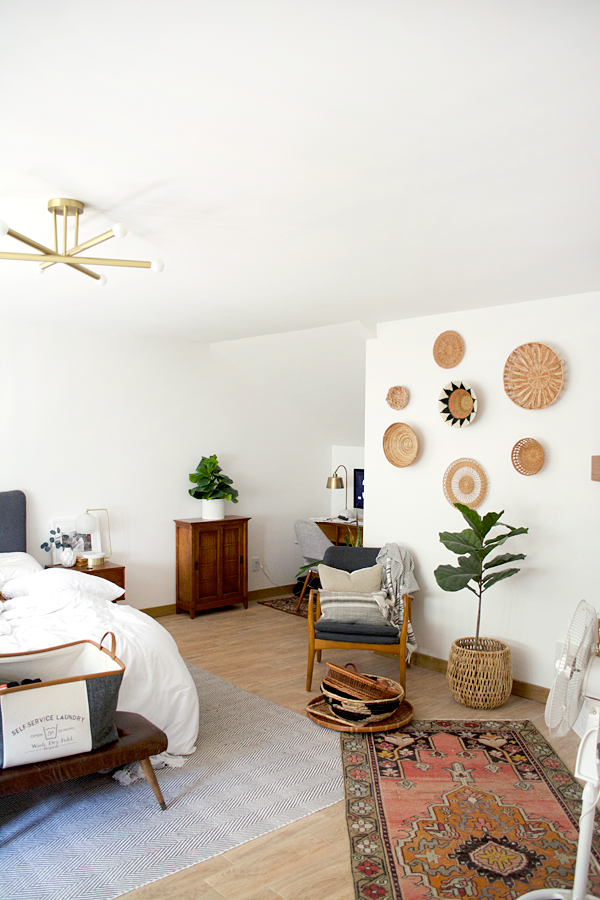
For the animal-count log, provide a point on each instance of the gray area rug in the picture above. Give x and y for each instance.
(258, 767)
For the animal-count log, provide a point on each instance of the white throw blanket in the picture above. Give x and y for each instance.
(398, 578)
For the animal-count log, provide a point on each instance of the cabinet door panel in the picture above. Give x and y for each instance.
(207, 555)
(232, 554)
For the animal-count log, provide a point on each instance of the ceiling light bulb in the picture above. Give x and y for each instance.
(157, 265)
(102, 280)
(3, 228)
(119, 230)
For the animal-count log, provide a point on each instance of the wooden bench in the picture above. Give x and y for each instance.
(138, 740)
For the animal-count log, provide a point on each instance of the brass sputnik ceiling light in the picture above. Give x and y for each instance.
(47, 257)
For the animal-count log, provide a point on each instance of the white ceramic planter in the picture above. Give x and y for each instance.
(213, 509)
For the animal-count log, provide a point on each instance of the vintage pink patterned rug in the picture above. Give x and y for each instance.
(461, 810)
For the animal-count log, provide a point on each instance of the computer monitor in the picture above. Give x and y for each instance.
(359, 487)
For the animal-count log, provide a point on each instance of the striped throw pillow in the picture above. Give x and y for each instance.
(356, 609)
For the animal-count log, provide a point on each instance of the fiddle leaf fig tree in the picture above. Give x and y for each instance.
(474, 548)
(211, 483)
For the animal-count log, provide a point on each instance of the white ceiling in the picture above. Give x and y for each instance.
(300, 163)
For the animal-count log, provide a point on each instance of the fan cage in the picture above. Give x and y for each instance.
(581, 642)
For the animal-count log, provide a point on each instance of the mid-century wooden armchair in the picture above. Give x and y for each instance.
(323, 638)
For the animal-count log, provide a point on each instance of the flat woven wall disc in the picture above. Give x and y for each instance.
(448, 349)
(533, 376)
(465, 482)
(400, 445)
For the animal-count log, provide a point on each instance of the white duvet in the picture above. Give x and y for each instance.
(156, 683)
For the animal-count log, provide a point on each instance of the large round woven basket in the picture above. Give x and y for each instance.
(482, 678)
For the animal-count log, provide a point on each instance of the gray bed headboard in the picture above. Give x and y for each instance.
(13, 522)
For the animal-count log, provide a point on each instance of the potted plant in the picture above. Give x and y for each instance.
(479, 670)
(212, 487)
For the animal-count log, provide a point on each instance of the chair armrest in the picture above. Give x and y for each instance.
(406, 599)
(314, 610)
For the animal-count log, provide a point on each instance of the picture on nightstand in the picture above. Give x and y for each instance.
(74, 539)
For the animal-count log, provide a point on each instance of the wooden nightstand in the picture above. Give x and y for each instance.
(107, 570)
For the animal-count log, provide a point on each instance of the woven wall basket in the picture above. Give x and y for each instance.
(400, 444)
(527, 456)
(448, 349)
(533, 376)
(465, 482)
(397, 396)
(480, 679)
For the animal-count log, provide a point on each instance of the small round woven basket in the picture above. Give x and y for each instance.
(397, 396)
(482, 678)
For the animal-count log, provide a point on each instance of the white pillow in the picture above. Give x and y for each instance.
(62, 579)
(12, 565)
(361, 581)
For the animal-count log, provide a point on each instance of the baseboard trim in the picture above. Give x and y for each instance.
(270, 592)
(156, 612)
(519, 688)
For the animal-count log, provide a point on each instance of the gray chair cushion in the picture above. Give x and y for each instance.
(350, 558)
(355, 638)
(347, 628)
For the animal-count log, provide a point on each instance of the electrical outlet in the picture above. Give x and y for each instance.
(256, 564)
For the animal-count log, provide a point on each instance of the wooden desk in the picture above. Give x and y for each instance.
(336, 530)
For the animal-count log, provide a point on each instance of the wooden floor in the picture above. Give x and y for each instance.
(264, 651)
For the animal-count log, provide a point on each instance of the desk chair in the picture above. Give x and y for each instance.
(313, 544)
(335, 638)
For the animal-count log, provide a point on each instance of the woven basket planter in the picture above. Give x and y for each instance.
(482, 678)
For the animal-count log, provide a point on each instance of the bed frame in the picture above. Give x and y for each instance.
(13, 522)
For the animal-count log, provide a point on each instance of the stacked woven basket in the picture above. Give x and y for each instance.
(360, 699)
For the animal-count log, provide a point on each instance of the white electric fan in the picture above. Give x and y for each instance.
(577, 680)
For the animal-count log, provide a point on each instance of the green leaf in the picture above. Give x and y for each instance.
(449, 578)
(489, 580)
(489, 520)
(503, 558)
(460, 541)
(470, 565)
(472, 518)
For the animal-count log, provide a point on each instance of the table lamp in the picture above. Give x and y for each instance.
(86, 523)
(336, 482)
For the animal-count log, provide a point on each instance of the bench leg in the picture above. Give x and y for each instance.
(151, 776)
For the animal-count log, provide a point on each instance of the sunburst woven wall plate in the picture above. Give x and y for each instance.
(533, 376)
(448, 349)
(400, 444)
(397, 397)
(457, 404)
(527, 456)
(465, 482)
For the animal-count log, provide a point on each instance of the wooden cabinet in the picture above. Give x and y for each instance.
(212, 563)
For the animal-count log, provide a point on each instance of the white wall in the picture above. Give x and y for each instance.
(560, 505)
(117, 421)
